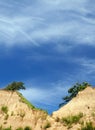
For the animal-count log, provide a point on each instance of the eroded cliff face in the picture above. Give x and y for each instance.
(15, 112)
(84, 102)
(19, 113)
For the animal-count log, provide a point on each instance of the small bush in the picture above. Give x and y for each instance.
(88, 126)
(4, 109)
(27, 128)
(72, 119)
(47, 125)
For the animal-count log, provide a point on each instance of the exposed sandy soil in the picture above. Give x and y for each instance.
(20, 115)
(84, 102)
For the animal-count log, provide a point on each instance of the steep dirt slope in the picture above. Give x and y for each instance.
(16, 112)
(84, 102)
(19, 114)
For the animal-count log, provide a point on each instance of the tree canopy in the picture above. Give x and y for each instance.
(15, 86)
(73, 91)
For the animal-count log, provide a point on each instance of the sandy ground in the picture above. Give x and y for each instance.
(20, 115)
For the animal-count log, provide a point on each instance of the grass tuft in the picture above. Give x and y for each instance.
(24, 100)
(4, 109)
(88, 126)
(27, 128)
(47, 125)
(74, 119)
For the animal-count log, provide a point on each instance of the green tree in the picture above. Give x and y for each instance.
(73, 91)
(15, 86)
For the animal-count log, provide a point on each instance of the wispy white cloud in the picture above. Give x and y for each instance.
(49, 97)
(88, 65)
(67, 24)
(46, 20)
(15, 31)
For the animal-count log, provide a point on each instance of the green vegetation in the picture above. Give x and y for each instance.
(73, 91)
(27, 128)
(24, 100)
(4, 109)
(15, 86)
(9, 128)
(74, 119)
(20, 128)
(88, 126)
(47, 125)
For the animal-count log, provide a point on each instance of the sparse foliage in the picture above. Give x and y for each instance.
(20, 128)
(9, 128)
(27, 128)
(24, 100)
(74, 119)
(73, 91)
(4, 109)
(15, 86)
(88, 126)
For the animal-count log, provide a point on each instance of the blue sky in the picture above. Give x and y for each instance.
(47, 44)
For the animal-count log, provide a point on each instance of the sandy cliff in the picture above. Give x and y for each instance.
(16, 112)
